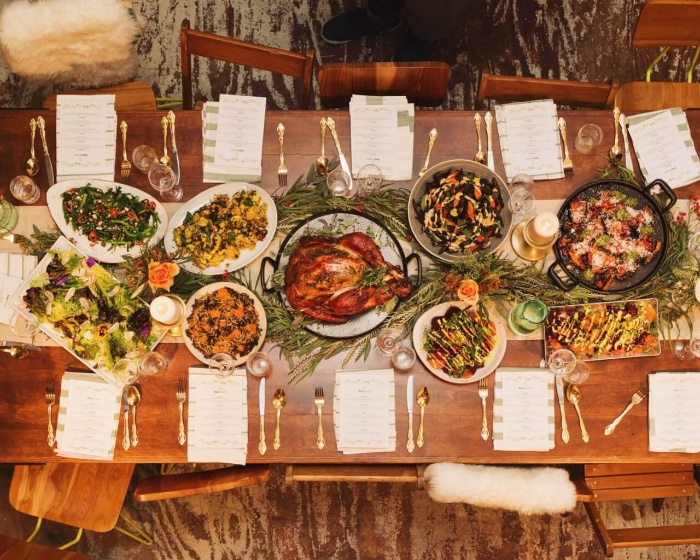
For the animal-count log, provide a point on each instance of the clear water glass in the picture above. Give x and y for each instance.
(24, 189)
(389, 341)
(687, 350)
(522, 202)
(221, 364)
(562, 362)
(521, 182)
(369, 179)
(589, 136)
(162, 178)
(126, 371)
(338, 182)
(404, 358)
(152, 363)
(258, 364)
(144, 157)
(527, 316)
(8, 215)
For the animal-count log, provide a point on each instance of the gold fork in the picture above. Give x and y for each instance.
(431, 142)
(568, 164)
(483, 394)
(636, 399)
(282, 169)
(480, 157)
(126, 166)
(50, 400)
(319, 402)
(181, 396)
(14, 237)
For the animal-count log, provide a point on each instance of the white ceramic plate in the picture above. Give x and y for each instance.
(95, 250)
(262, 318)
(204, 198)
(423, 324)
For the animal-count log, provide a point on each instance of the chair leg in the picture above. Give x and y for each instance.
(30, 538)
(599, 528)
(74, 541)
(140, 535)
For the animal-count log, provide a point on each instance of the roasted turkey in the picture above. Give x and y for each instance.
(334, 278)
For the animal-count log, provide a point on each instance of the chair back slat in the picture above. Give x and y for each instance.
(668, 23)
(652, 96)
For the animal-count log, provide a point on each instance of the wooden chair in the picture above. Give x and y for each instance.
(84, 495)
(133, 96)
(13, 549)
(423, 83)
(604, 482)
(563, 92)
(169, 486)
(275, 60)
(650, 96)
(407, 474)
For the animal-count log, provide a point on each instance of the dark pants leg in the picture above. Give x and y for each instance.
(385, 10)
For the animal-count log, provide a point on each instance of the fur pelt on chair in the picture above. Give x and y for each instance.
(86, 43)
(533, 490)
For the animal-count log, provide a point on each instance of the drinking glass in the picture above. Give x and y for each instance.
(162, 178)
(589, 136)
(221, 364)
(144, 157)
(687, 350)
(389, 341)
(126, 370)
(338, 182)
(522, 203)
(258, 364)
(403, 358)
(24, 189)
(520, 182)
(8, 216)
(152, 363)
(527, 316)
(564, 362)
(21, 326)
(369, 179)
(694, 245)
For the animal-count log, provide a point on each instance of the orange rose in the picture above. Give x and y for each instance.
(162, 275)
(468, 292)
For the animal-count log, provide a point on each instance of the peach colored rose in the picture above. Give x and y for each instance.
(162, 275)
(468, 292)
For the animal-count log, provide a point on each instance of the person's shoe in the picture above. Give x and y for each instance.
(358, 23)
(414, 49)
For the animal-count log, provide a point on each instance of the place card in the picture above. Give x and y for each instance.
(664, 147)
(217, 417)
(364, 411)
(86, 128)
(529, 137)
(674, 412)
(88, 416)
(523, 410)
(381, 129)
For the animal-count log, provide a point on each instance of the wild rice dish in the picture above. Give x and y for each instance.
(224, 321)
(222, 228)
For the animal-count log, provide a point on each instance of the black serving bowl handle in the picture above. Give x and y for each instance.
(567, 286)
(419, 268)
(668, 191)
(263, 269)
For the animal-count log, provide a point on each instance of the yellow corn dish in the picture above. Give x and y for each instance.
(222, 228)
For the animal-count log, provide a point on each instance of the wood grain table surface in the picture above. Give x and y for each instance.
(453, 417)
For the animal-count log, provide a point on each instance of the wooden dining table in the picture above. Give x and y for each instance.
(453, 415)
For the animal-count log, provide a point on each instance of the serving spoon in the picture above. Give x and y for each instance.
(32, 162)
(322, 161)
(573, 394)
(422, 398)
(279, 399)
(133, 398)
(18, 352)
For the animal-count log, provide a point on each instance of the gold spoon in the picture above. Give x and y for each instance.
(32, 162)
(133, 398)
(165, 160)
(279, 399)
(422, 398)
(16, 351)
(322, 161)
(479, 157)
(615, 151)
(573, 393)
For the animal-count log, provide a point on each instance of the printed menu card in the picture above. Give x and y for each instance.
(364, 412)
(88, 416)
(217, 417)
(382, 134)
(523, 410)
(529, 137)
(674, 412)
(233, 135)
(86, 133)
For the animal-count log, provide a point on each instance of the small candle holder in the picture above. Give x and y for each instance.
(532, 239)
(168, 311)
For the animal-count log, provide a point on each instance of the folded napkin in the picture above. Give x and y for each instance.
(364, 411)
(382, 134)
(523, 410)
(14, 267)
(88, 416)
(217, 417)
(529, 137)
(674, 412)
(232, 132)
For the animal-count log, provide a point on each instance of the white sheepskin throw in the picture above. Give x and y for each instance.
(83, 42)
(533, 490)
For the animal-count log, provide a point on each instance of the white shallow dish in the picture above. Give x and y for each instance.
(209, 288)
(423, 324)
(203, 198)
(95, 250)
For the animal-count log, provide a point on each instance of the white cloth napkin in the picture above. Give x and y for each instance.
(674, 412)
(217, 427)
(523, 410)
